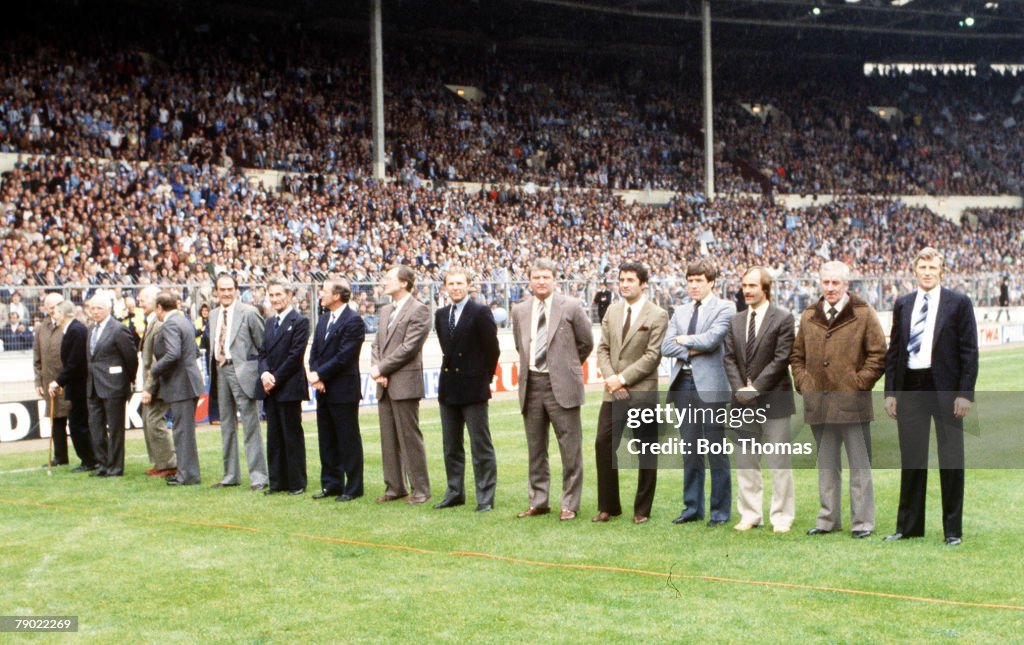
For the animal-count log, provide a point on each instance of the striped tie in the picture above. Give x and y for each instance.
(540, 344)
(917, 329)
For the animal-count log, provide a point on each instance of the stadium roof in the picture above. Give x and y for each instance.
(910, 30)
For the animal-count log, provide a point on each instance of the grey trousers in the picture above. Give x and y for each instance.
(183, 416)
(233, 400)
(543, 411)
(857, 439)
(403, 454)
(485, 468)
(159, 442)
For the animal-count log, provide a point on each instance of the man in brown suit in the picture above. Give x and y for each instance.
(629, 354)
(397, 366)
(46, 364)
(159, 441)
(838, 355)
(553, 337)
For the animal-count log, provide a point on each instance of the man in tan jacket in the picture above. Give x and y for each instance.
(629, 354)
(159, 441)
(46, 364)
(838, 355)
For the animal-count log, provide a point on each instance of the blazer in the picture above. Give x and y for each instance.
(470, 355)
(150, 383)
(397, 349)
(834, 368)
(246, 339)
(954, 345)
(281, 355)
(709, 339)
(335, 357)
(636, 356)
(769, 362)
(570, 341)
(115, 363)
(46, 363)
(74, 361)
(177, 360)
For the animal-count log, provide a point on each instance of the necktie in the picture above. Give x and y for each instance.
(629, 320)
(451, 321)
(917, 330)
(691, 329)
(832, 312)
(222, 336)
(748, 355)
(330, 325)
(391, 318)
(540, 343)
(95, 338)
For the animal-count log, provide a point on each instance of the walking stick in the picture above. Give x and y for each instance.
(49, 461)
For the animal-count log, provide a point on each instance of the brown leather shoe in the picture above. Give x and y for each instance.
(384, 499)
(152, 472)
(170, 472)
(567, 515)
(530, 512)
(418, 500)
(601, 517)
(640, 519)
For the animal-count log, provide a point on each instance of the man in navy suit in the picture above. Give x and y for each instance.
(283, 389)
(334, 374)
(469, 341)
(930, 371)
(73, 374)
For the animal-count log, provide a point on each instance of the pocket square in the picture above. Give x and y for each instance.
(289, 328)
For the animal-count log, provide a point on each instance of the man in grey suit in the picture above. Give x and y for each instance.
(113, 362)
(159, 442)
(695, 338)
(629, 354)
(553, 338)
(756, 361)
(396, 364)
(179, 383)
(236, 338)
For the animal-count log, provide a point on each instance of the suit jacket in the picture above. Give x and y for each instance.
(74, 361)
(114, 363)
(834, 368)
(246, 339)
(954, 348)
(177, 360)
(397, 349)
(637, 356)
(150, 383)
(470, 354)
(570, 341)
(769, 362)
(47, 364)
(281, 355)
(712, 326)
(335, 357)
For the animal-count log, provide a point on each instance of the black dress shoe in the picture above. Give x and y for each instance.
(83, 468)
(325, 493)
(860, 535)
(686, 519)
(714, 523)
(271, 491)
(344, 497)
(954, 541)
(222, 485)
(174, 482)
(817, 531)
(894, 537)
(483, 508)
(297, 491)
(98, 473)
(449, 502)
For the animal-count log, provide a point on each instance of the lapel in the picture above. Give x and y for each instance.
(557, 313)
(337, 323)
(525, 324)
(704, 314)
(105, 334)
(906, 317)
(389, 329)
(280, 332)
(946, 306)
(766, 325)
(236, 322)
